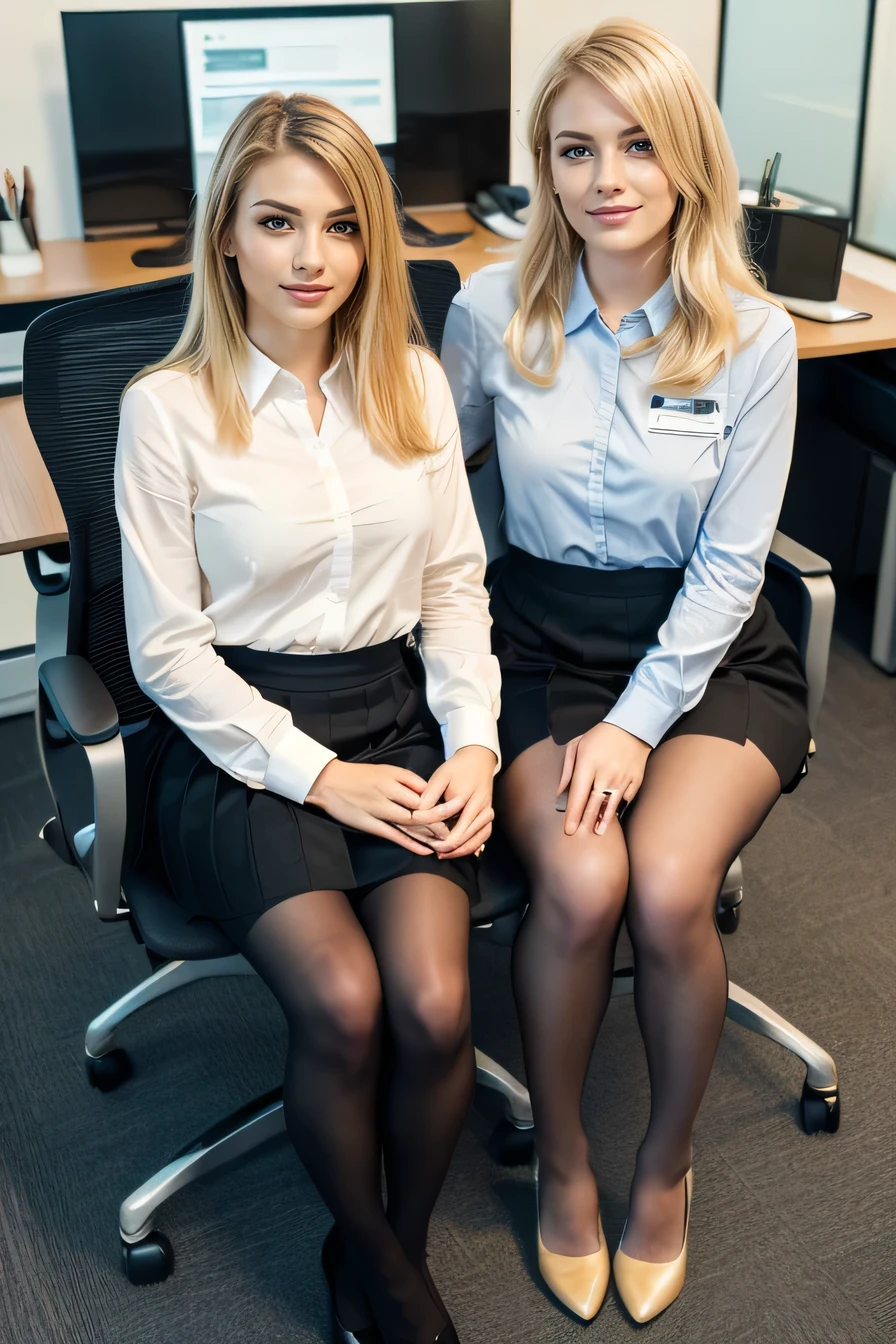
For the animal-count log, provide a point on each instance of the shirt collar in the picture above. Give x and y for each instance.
(260, 373)
(658, 310)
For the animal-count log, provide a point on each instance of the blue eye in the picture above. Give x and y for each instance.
(275, 219)
(642, 146)
(576, 152)
(345, 227)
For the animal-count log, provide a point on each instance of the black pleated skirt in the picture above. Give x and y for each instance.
(230, 852)
(568, 639)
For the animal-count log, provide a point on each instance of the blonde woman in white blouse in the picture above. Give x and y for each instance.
(303, 589)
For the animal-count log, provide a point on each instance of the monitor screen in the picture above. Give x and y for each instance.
(800, 253)
(347, 59)
(129, 119)
(152, 92)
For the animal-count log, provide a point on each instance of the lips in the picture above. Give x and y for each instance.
(615, 210)
(307, 293)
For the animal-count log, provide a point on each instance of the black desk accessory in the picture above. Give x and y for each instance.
(800, 251)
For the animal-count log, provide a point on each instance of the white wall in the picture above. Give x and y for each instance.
(34, 116)
(18, 605)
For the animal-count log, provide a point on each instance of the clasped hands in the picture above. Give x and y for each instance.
(413, 812)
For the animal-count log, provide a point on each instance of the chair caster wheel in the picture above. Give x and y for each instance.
(511, 1147)
(147, 1261)
(728, 918)
(819, 1111)
(109, 1071)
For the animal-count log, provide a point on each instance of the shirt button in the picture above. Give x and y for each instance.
(333, 597)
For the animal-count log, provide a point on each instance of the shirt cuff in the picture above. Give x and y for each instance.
(295, 764)
(642, 714)
(471, 726)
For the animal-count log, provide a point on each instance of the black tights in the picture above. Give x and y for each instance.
(379, 1070)
(702, 799)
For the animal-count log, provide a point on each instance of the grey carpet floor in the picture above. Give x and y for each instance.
(793, 1239)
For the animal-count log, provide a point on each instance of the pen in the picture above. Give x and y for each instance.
(12, 195)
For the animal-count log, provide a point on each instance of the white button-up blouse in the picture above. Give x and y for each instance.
(302, 543)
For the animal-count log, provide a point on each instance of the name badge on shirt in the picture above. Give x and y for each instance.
(685, 415)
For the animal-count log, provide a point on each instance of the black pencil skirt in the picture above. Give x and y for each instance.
(568, 639)
(230, 852)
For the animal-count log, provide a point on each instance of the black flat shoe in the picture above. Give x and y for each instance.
(358, 1327)
(447, 1336)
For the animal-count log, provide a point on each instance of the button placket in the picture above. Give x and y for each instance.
(333, 625)
(609, 364)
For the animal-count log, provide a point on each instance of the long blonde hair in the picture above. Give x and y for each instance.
(372, 329)
(657, 83)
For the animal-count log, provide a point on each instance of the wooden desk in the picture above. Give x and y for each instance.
(30, 513)
(878, 332)
(29, 510)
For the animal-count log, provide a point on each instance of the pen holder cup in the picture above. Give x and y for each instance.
(18, 256)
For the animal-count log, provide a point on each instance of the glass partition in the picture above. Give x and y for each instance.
(792, 74)
(876, 218)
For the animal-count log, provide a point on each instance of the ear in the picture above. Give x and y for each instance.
(228, 249)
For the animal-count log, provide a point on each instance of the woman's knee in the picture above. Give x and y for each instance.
(671, 901)
(431, 1017)
(579, 891)
(345, 1013)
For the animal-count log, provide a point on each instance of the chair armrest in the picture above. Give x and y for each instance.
(817, 599)
(54, 577)
(78, 698)
(799, 560)
(86, 714)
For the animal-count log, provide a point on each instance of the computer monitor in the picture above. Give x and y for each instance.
(347, 59)
(129, 116)
(150, 97)
(799, 252)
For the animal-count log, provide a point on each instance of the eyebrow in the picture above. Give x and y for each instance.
(582, 135)
(294, 210)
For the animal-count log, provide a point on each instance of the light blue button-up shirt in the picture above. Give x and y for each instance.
(587, 481)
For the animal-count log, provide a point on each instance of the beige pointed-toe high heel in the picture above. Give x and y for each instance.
(647, 1288)
(578, 1281)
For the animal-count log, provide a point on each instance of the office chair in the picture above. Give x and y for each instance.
(799, 585)
(78, 359)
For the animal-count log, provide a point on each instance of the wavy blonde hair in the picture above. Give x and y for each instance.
(657, 83)
(372, 329)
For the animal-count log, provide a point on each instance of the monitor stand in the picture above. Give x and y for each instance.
(830, 311)
(179, 252)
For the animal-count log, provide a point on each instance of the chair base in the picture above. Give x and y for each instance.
(100, 1037)
(236, 1136)
(820, 1101)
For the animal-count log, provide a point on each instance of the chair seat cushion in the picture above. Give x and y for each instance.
(167, 929)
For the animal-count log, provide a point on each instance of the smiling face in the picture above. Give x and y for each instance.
(613, 189)
(297, 243)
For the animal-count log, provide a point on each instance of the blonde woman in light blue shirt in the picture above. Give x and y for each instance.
(641, 390)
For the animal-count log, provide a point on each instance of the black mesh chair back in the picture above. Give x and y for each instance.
(78, 360)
